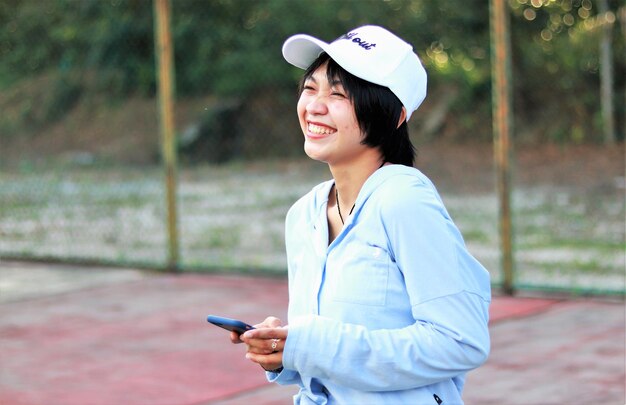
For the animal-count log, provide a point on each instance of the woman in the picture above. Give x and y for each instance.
(386, 304)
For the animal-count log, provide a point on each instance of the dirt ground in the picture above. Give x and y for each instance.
(466, 167)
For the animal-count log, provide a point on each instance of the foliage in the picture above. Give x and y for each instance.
(232, 48)
(556, 59)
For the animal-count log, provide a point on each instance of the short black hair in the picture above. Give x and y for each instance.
(377, 111)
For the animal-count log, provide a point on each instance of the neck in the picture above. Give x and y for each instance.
(349, 180)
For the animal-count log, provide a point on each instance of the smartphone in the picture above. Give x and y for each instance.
(233, 325)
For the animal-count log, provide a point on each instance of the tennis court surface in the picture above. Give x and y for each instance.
(99, 336)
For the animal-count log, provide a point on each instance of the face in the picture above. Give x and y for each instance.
(328, 121)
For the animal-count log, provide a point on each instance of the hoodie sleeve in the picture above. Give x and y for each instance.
(449, 294)
(285, 377)
(385, 360)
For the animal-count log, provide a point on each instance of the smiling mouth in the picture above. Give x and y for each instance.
(319, 130)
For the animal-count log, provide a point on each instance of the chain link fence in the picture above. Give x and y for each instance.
(82, 181)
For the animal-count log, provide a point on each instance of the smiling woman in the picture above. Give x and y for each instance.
(328, 121)
(386, 303)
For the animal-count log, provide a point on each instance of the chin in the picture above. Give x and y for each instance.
(314, 154)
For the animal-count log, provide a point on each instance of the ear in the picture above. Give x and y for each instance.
(402, 117)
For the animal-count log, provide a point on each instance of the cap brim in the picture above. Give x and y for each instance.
(301, 50)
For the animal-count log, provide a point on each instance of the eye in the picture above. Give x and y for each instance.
(337, 90)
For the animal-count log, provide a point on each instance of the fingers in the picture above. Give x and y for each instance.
(266, 343)
(266, 340)
(273, 322)
(265, 346)
(235, 337)
(268, 361)
(266, 333)
(269, 322)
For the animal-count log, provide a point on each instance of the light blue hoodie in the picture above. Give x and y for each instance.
(394, 310)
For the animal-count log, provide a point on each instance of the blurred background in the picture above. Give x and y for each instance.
(81, 173)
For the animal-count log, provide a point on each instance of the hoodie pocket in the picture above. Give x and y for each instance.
(362, 277)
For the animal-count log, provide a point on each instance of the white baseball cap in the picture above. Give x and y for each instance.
(371, 53)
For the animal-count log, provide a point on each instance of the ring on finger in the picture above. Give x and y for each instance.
(275, 344)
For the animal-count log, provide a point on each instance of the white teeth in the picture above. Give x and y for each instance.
(316, 129)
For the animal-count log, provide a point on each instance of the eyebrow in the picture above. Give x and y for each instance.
(335, 82)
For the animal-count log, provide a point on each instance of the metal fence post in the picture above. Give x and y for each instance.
(165, 68)
(606, 74)
(502, 125)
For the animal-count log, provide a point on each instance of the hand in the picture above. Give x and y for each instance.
(266, 343)
(269, 322)
(235, 337)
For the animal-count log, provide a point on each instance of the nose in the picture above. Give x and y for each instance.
(317, 105)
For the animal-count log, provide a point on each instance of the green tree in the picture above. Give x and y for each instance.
(231, 48)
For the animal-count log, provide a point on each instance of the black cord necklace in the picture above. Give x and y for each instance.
(339, 208)
(353, 205)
